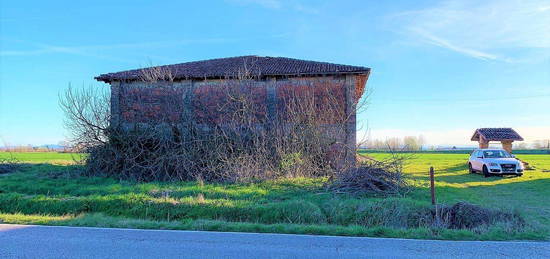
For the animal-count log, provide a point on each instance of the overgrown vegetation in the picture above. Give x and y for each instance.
(231, 134)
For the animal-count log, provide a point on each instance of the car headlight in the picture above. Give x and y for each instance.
(493, 164)
(520, 166)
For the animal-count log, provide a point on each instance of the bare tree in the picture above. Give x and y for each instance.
(87, 115)
(413, 143)
(410, 143)
(394, 143)
(521, 145)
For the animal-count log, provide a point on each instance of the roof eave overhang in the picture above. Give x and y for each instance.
(506, 139)
(477, 137)
(105, 78)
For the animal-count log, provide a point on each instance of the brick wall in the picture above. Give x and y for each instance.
(140, 102)
(207, 102)
(151, 104)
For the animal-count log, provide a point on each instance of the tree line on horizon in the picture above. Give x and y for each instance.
(419, 143)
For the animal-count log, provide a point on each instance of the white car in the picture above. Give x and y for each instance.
(494, 161)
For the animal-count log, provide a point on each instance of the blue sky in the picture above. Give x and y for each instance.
(439, 68)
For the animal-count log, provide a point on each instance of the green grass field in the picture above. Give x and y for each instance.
(42, 157)
(50, 194)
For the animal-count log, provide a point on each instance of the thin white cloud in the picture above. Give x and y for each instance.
(279, 5)
(488, 30)
(47, 48)
(52, 49)
(97, 50)
(271, 4)
(25, 52)
(434, 40)
(305, 9)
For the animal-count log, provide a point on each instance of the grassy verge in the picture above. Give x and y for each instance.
(52, 195)
(100, 220)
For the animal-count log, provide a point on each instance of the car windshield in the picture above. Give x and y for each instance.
(496, 154)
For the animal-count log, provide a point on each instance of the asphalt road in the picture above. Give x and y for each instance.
(19, 241)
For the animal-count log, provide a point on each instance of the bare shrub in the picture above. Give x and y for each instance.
(241, 149)
(228, 136)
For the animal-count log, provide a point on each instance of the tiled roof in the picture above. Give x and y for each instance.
(235, 66)
(496, 134)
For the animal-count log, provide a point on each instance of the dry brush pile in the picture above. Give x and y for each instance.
(463, 215)
(379, 177)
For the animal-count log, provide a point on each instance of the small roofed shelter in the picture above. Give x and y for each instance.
(506, 136)
(194, 90)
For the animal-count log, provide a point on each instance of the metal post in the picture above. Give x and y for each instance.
(432, 184)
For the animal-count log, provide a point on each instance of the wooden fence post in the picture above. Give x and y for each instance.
(432, 184)
(432, 191)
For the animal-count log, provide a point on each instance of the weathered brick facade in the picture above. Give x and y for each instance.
(145, 102)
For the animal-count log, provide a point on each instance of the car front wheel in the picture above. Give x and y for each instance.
(470, 168)
(486, 171)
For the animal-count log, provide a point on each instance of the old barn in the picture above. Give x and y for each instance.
(195, 90)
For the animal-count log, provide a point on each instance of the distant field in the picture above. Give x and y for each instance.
(49, 194)
(41, 157)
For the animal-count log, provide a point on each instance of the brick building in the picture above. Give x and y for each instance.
(193, 90)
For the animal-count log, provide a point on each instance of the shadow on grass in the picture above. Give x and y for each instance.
(459, 174)
(508, 194)
(456, 168)
(467, 177)
(68, 180)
